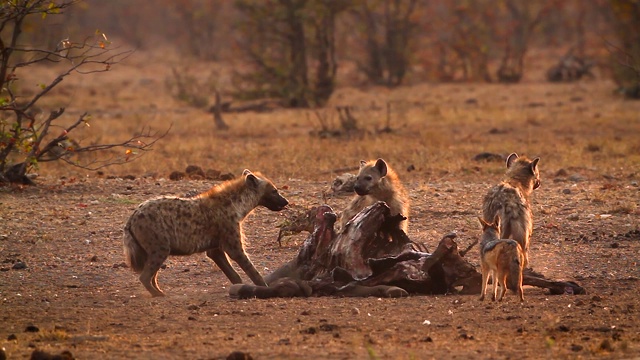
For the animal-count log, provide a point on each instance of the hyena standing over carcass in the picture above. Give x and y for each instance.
(375, 182)
(500, 258)
(511, 200)
(211, 222)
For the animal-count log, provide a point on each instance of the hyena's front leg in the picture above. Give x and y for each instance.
(236, 253)
(218, 256)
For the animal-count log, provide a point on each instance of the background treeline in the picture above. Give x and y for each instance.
(299, 50)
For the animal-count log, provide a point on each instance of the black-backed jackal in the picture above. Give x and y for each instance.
(499, 258)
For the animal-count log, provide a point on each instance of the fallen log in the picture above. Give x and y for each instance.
(372, 256)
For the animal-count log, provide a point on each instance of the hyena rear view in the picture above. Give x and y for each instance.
(211, 222)
(375, 182)
(500, 258)
(511, 200)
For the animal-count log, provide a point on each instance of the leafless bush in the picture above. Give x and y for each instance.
(27, 137)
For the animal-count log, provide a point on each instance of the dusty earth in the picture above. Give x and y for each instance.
(64, 285)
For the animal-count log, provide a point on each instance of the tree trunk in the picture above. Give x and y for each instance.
(217, 114)
(298, 81)
(327, 65)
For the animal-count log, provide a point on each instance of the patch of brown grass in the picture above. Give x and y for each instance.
(55, 335)
(437, 127)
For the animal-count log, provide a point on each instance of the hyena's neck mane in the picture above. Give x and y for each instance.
(520, 176)
(389, 186)
(234, 193)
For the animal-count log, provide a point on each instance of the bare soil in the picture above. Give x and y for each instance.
(75, 289)
(62, 269)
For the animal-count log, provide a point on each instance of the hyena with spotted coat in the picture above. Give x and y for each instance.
(376, 181)
(210, 222)
(511, 200)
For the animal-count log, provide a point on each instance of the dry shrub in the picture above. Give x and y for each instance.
(436, 128)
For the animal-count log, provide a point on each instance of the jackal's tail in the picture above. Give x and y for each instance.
(515, 272)
(135, 256)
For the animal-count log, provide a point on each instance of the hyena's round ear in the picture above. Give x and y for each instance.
(246, 172)
(511, 158)
(482, 222)
(534, 165)
(251, 180)
(381, 166)
(362, 163)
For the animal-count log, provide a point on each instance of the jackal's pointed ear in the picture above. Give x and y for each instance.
(496, 221)
(534, 165)
(362, 163)
(381, 166)
(511, 159)
(482, 222)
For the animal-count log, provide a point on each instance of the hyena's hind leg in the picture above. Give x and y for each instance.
(218, 256)
(516, 231)
(149, 275)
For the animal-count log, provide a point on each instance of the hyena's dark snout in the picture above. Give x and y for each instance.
(361, 190)
(275, 202)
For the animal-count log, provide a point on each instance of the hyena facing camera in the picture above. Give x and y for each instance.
(375, 182)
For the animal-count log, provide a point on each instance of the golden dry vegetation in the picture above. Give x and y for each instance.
(68, 228)
(437, 127)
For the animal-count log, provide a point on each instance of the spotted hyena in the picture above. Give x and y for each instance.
(210, 222)
(375, 182)
(511, 200)
(500, 259)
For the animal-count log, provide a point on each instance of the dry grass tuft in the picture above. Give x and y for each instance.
(436, 128)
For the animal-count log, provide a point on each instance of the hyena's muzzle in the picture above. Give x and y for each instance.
(274, 201)
(363, 185)
(360, 190)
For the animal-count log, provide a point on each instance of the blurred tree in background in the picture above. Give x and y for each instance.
(28, 135)
(386, 29)
(298, 50)
(625, 52)
(291, 47)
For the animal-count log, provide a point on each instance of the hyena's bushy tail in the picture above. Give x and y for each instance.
(135, 256)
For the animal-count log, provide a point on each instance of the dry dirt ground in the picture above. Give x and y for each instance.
(76, 290)
(62, 269)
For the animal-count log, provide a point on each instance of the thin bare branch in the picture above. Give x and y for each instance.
(135, 142)
(629, 58)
